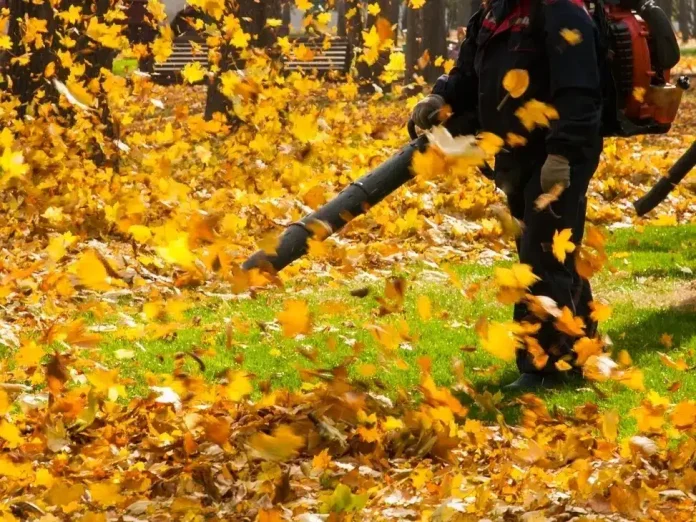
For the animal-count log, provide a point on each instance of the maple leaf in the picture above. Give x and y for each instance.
(29, 355)
(304, 127)
(569, 324)
(600, 312)
(281, 446)
(106, 493)
(562, 244)
(424, 307)
(536, 114)
(666, 340)
(585, 348)
(239, 386)
(500, 341)
(572, 36)
(295, 318)
(516, 82)
(520, 276)
(193, 72)
(10, 434)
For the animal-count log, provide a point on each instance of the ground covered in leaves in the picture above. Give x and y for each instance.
(127, 323)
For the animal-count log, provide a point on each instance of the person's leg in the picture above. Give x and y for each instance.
(559, 281)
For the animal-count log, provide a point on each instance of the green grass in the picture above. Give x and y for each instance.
(124, 66)
(648, 281)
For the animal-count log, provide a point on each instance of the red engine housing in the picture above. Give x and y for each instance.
(645, 97)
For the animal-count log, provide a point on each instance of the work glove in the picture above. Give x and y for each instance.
(425, 112)
(556, 171)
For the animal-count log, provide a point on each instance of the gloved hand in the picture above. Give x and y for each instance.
(425, 111)
(556, 171)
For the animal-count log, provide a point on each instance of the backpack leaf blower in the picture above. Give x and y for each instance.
(640, 48)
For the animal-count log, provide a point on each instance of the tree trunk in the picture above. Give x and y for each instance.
(286, 17)
(28, 80)
(684, 20)
(341, 29)
(434, 36)
(667, 7)
(253, 15)
(411, 43)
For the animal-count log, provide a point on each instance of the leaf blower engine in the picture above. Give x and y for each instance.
(642, 48)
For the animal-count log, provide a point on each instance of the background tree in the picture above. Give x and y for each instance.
(252, 17)
(435, 34)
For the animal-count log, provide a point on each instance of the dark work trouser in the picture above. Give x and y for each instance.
(559, 281)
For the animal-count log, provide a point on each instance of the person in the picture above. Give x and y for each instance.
(564, 73)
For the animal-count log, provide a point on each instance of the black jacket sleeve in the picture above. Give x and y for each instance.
(459, 88)
(575, 80)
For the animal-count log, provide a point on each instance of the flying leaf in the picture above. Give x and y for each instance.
(569, 324)
(295, 318)
(572, 36)
(500, 341)
(424, 307)
(562, 244)
(516, 82)
(281, 446)
(600, 312)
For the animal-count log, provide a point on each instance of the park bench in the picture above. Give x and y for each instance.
(190, 48)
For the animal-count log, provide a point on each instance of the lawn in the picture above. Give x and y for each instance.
(649, 283)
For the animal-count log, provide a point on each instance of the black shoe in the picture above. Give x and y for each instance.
(527, 381)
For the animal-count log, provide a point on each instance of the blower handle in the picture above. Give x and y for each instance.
(662, 188)
(411, 126)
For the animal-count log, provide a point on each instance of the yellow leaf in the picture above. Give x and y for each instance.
(489, 143)
(500, 341)
(639, 94)
(428, 164)
(304, 127)
(569, 324)
(421, 476)
(679, 365)
(520, 276)
(178, 252)
(515, 140)
(29, 355)
(586, 348)
(12, 470)
(516, 82)
(106, 494)
(239, 386)
(281, 446)
(321, 461)
(666, 340)
(5, 402)
(10, 434)
(140, 233)
(610, 425)
(303, 5)
(600, 312)
(424, 307)
(624, 358)
(295, 318)
(44, 478)
(562, 244)
(92, 273)
(572, 36)
(563, 366)
(536, 114)
(392, 423)
(632, 379)
(373, 9)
